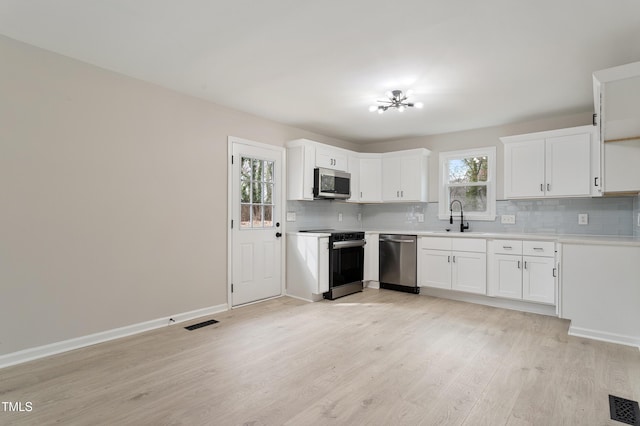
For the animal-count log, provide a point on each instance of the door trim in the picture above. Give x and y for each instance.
(231, 140)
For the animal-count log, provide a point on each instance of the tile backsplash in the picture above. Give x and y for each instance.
(607, 216)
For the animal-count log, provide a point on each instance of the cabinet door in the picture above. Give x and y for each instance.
(538, 281)
(568, 165)
(371, 258)
(508, 276)
(354, 170)
(370, 180)
(411, 179)
(524, 169)
(323, 265)
(331, 159)
(435, 269)
(469, 272)
(391, 179)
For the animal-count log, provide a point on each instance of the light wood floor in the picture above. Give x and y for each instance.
(373, 358)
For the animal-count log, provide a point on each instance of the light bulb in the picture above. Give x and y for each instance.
(401, 108)
(418, 105)
(373, 108)
(380, 110)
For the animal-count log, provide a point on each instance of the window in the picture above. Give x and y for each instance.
(256, 193)
(468, 176)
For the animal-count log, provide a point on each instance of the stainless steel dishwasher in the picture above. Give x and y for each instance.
(398, 262)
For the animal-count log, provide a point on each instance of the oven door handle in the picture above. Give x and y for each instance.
(346, 244)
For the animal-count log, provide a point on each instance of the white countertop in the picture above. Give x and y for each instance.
(559, 238)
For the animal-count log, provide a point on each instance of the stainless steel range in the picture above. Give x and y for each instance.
(346, 262)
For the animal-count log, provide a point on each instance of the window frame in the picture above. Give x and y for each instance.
(443, 185)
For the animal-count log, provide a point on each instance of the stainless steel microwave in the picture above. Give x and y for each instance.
(331, 184)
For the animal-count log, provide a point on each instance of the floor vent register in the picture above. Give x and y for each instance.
(624, 410)
(200, 325)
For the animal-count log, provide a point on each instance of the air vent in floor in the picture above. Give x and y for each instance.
(624, 410)
(200, 325)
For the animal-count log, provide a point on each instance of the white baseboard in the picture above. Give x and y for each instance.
(496, 302)
(604, 336)
(103, 336)
(372, 284)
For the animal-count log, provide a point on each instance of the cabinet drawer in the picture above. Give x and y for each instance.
(539, 248)
(435, 243)
(478, 245)
(507, 247)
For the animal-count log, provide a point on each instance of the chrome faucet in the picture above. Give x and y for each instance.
(462, 225)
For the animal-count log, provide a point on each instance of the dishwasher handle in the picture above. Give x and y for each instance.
(394, 240)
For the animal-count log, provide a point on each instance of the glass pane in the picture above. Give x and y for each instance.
(245, 168)
(268, 171)
(470, 169)
(257, 170)
(257, 192)
(268, 193)
(256, 217)
(268, 216)
(245, 216)
(245, 191)
(473, 198)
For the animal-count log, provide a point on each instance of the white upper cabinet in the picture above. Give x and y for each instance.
(558, 163)
(303, 155)
(332, 158)
(401, 175)
(524, 169)
(616, 92)
(370, 180)
(404, 176)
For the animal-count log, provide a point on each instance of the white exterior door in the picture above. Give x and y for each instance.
(256, 242)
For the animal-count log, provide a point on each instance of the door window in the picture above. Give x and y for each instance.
(256, 193)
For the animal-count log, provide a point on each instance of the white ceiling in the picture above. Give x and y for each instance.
(318, 65)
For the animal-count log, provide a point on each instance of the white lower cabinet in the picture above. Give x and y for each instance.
(307, 266)
(453, 264)
(523, 270)
(371, 257)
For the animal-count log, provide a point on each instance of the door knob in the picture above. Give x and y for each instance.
(278, 234)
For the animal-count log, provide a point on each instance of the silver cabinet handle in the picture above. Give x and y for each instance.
(454, 259)
(554, 273)
(541, 188)
(538, 249)
(448, 259)
(402, 194)
(518, 264)
(548, 187)
(525, 264)
(507, 247)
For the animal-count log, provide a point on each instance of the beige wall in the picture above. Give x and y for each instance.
(113, 198)
(475, 139)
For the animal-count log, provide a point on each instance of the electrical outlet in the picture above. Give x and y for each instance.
(359, 217)
(508, 219)
(420, 217)
(583, 219)
(638, 219)
(339, 217)
(291, 216)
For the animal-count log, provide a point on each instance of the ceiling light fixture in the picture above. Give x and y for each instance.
(397, 99)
